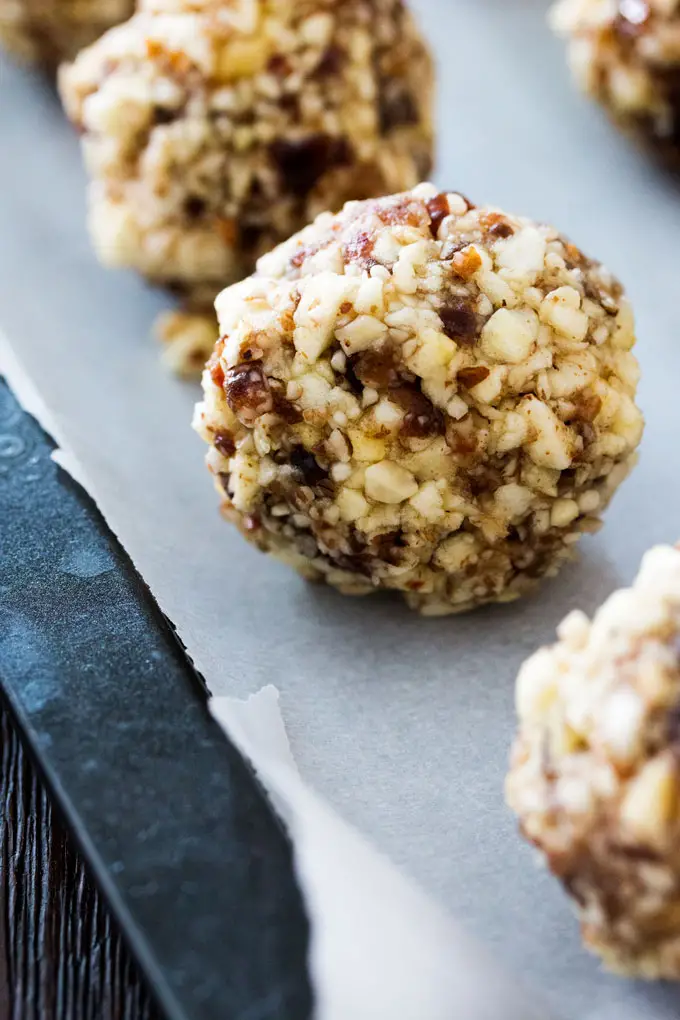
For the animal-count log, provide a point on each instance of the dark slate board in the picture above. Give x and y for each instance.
(178, 833)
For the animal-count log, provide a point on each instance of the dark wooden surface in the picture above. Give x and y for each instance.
(61, 957)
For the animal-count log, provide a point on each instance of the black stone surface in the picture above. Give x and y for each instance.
(177, 831)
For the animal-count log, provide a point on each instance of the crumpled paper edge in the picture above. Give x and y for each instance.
(28, 397)
(380, 948)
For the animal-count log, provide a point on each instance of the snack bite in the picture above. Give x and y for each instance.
(213, 130)
(626, 55)
(45, 32)
(595, 773)
(422, 395)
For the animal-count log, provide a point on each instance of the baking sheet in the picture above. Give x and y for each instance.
(403, 724)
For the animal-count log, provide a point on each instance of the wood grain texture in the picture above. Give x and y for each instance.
(61, 957)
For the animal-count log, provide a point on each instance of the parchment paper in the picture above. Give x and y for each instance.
(402, 724)
(380, 949)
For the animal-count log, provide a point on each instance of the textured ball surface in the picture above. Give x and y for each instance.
(213, 130)
(626, 54)
(595, 775)
(46, 32)
(422, 395)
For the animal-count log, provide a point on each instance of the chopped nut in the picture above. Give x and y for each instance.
(651, 802)
(366, 448)
(564, 511)
(523, 254)
(428, 502)
(537, 688)
(434, 351)
(352, 505)
(560, 309)
(388, 482)
(466, 262)
(513, 501)
(243, 57)
(509, 335)
(552, 444)
(456, 408)
(361, 333)
(574, 629)
(316, 314)
(619, 729)
(454, 553)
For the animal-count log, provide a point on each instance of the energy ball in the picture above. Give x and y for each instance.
(422, 395)
(214, 129)
(626, 54)
(46, 32)
(595, 774)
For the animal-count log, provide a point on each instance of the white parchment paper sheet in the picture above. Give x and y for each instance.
(402, 724)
